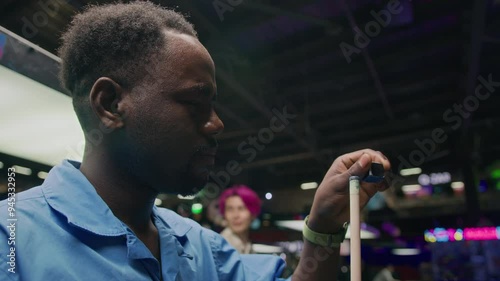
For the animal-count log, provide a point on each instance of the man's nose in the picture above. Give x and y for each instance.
(214, 125)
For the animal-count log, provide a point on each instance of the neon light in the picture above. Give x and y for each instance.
(434, 178)
(495, 174)
(429, 237)
(459, 235)
(196, 208)
(441, 235)
(480, 233)
(473, 233)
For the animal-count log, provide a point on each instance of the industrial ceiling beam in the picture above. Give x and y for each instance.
(328, 25)
(401, 59)
(390, 141)
(463, 150)
(419, 30)
(371, 66)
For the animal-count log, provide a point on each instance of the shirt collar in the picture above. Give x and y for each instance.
(69, 192)
(175, 224)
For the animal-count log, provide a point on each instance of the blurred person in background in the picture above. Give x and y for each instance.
(425, 270)
(386, 274)
(183, 209)
(239, 205)
(215, 217)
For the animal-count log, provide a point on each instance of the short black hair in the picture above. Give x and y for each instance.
(115, 41)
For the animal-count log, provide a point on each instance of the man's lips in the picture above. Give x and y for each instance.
(209, 159)
(208, 152)
(206, 156)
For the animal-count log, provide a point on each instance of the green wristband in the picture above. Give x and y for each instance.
(321, 239)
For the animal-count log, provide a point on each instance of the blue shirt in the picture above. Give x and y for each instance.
(65, 231)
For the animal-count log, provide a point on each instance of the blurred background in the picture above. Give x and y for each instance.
(418, 80)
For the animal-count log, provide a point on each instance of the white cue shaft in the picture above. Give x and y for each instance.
(354, 186)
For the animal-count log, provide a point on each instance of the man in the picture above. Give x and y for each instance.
(143, 88)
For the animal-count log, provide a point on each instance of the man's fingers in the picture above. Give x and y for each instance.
(361, 167)
(349, 159)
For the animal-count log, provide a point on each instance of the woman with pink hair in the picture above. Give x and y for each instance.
(239, 205)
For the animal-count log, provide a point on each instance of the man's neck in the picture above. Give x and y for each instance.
(129, 201)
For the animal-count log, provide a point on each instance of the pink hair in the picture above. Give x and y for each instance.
(249, 197)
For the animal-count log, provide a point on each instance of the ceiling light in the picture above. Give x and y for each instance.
(22, 170)
(42, 175)
(297, 225)
(406, 252)
(269, 195)
(457, 185)
(45, 115)
(367, 231)
(410, 171)
(411, 188)
(309, 185)
(266, 249)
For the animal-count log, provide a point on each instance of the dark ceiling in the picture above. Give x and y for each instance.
(389, 93)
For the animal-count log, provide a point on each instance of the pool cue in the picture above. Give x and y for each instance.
(375, 175)
(355, 231)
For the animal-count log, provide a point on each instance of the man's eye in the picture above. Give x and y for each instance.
(191, 102)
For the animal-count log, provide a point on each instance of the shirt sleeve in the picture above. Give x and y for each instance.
(233, 266)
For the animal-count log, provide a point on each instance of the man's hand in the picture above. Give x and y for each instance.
(330, 208)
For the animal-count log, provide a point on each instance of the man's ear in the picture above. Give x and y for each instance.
(106, 98)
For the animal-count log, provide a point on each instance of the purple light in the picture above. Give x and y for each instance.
(483, 186)
(468, 234)
(481, 233)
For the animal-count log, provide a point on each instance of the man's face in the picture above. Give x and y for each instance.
(237, 215)
(171, 126)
